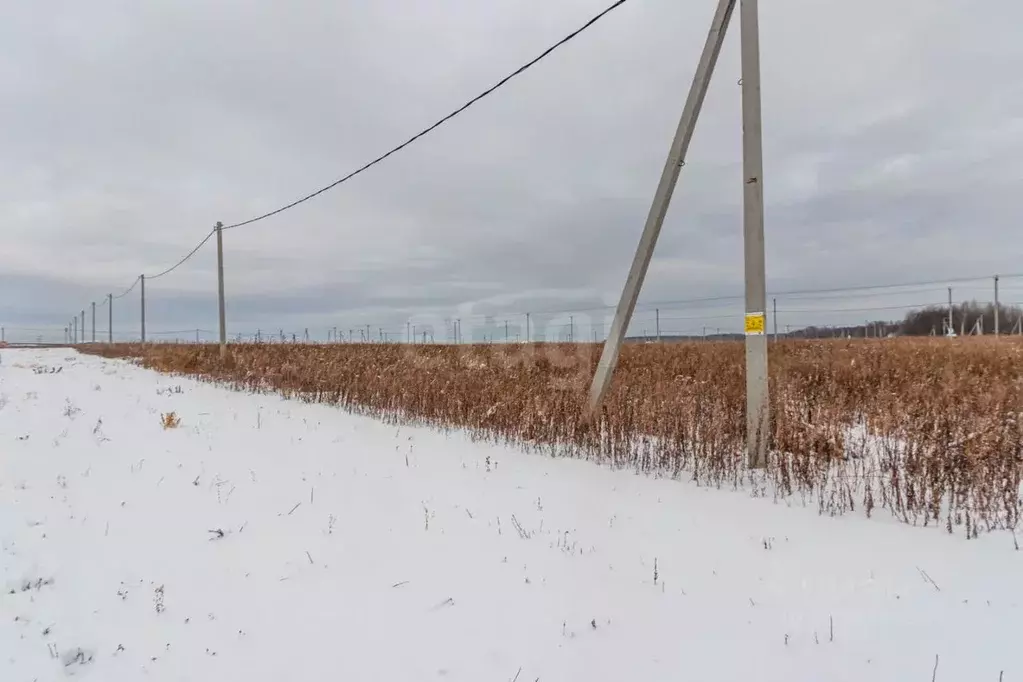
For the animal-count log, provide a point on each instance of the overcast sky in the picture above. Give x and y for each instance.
(893, 139)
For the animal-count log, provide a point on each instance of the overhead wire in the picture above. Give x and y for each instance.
(185, 259)
(128, 290)
(438, 123)
(607, 10)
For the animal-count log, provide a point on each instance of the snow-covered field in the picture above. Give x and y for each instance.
(271, 540)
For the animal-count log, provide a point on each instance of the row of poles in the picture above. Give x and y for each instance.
(71, 332)
(415, 333)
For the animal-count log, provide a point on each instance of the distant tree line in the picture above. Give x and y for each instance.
(967, 318)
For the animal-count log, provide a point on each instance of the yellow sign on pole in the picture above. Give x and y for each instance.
(755, 324)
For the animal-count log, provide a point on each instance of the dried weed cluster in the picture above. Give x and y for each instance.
(929, 429)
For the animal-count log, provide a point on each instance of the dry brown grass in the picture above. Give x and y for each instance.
(170, 420)
(929, 429)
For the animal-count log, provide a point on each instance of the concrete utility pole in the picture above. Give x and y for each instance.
(774, 317)
(657, 322)
(996, 305)
(94, 321)
(83, 326)
(74, 338)
(142, 281)
(659, 207)
(506, 331)
(951, 329)
(757, 400)
(527, 327)
(219, 227)
(110, 318)
(571, 328)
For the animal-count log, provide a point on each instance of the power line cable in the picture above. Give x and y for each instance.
(914, 306)
(183, 260)
(128, 290)
(440, 122)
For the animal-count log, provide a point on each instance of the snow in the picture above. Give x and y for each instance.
(354, 550)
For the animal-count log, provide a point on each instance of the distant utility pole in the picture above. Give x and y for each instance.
(951, 328)
(657, 318)
(996, 305)
(219, 227)
(367, 334)
(571, 328)
(94, 321)
(110, 318)
(83, 326)
(408, 331)
(527, 327)
(774, 316)
(142, 280)
(75, 326)
(506, 331)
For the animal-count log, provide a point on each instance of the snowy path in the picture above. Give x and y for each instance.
(353, 550)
